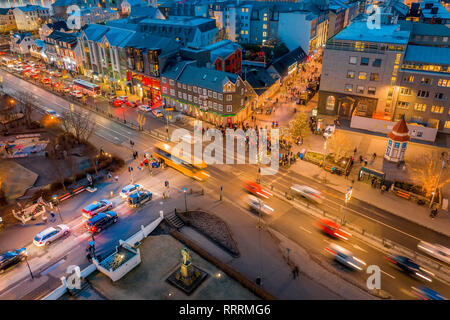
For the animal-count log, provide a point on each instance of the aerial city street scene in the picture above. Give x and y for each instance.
(224, 150)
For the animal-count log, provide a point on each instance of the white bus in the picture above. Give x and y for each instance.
(86, 87)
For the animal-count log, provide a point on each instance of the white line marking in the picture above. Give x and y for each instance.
(359, 248)
(387, 274)
(305, 229)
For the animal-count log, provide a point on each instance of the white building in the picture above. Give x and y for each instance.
(21, 43)
(30, 18)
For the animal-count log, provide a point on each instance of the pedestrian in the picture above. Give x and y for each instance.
(88, 256)
(293, 273)
(296, 271)
(365, 161)
(354, 151)
(374, 155)
(360, 159)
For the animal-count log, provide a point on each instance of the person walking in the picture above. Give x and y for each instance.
(52, 215)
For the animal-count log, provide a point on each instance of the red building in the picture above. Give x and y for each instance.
(226, 56)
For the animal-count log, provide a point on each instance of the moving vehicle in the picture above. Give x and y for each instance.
(332, 229)
(256, 189)
(435, 250)
(258, 205)
(139, 197)
(144, 108)
(192, 167)
(117, 103)
(47, 236)
(46, 81)
(51, 113)
(96, 207)
(425, 293)
(157, 113)
(86, 87)
(345, 257)
(66, 89)
(11, 258)
(131, 104)
(101, 221)
(308, 193)
(123, 98)
(129, 189)
(329, 130)
(76, 94)
(409, 266)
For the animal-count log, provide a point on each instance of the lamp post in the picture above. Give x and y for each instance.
(57, 205)
(185, 201)
(348, 196)
(29, 269)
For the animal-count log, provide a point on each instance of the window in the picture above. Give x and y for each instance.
(351, 74)
(164, 90)
(229, 108)
(184, 96)
(362, 76)
(180, 94)
(179, 85)
(172, 92)
(374, 77)
(437, 109)
(408, 79)
(376, 63)
(353, 60)
(172, 83)
(348, 88)
(215, 95)
(405, 91)
(195, 99)
(190, 97)
(184, 86)
(229, 97)
(439, 96)
(420, 106)
(364, 61)
(264, 26)
(164, 80)
(194, 89)
(426, 81)
(331, 100)
(220, 107)
(371, 90)
(445, 39)
(403, 105)
(443, 83)
(220, 96)
(209, 93)
(264, 34)
(423, 94)
(360, 89)
(190, 88)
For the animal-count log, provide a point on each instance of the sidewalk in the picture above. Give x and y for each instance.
(387, 201)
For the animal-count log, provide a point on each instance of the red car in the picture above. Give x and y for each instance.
(256, 189)
(332, 229)
(117, 103)
(46, 81)
(131, 104)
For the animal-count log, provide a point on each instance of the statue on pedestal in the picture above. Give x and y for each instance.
(187, 273)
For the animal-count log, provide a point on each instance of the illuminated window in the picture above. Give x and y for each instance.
(374, 77)
(447, 124)
(371, 90)
(359, 89)
(362, 76)
(242, 31)
(353, 60)
(331, 100)
(426, 81)
(264, 34)
(408, 79)
(443, 83)
(437, 109)
(351, 74)
(359, 46)
(348, 87)
(246, 31)
(403, 105)
(397, 58)
(420, 107)
(264, 26)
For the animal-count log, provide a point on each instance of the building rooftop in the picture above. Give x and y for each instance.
(388, 33)
(117, 37)
(151, 42)
(282, 63)
(441, 13)
(70, 38)
(29, 8)
(179, 21)
(425, 29)
(427, 54)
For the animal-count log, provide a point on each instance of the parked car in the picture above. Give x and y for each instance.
(256, 189)
(46, 237)
(66, 89)
(345, 257)
(157, 113)
(435, 250)
(144, 107)
(329, 130)
(139, 197)
(129, 189)
(308, 193)
(96, 207)
(332, 229)
(257, 205)
(11, 258)
(131, 104)
(101, 221)
(46, 81)
(123, 98)
(117, 102)
(77, 94)
(410, 267)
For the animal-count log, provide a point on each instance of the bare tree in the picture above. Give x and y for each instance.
(430, 172)
(339, 145)
(59, 171)
(80, 125)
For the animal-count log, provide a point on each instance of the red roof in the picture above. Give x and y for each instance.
(400, 131)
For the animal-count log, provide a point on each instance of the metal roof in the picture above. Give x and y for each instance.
(387, 33)
(427, 54)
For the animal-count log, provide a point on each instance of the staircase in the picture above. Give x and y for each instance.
(77, 292)
(173, 220)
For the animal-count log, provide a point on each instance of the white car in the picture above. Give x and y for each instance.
(129, 189)
(123, 98)
(157, 113)
(96, 207)
(308, 193)
(258, 205)
(51, 113)
(435, 250)
(77, 94)
(345, 257)
(329, 130)
(144, 107)
(46, 237)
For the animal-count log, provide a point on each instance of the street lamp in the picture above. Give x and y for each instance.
(29, 269)
(55, 197)
(443, 157)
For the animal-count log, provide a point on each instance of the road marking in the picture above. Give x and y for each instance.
(387, 274)
(51, 268)
(359, 248)
(304, 229)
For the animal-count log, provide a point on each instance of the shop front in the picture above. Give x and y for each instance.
(374, 177)
(145, 87)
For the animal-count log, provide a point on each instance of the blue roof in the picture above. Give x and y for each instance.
(388, 33)
(437, 55)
